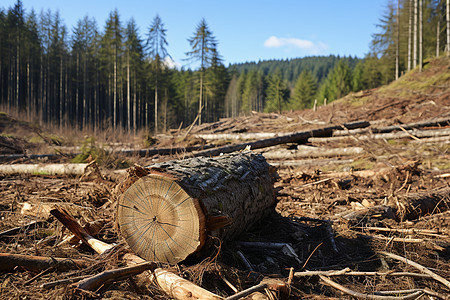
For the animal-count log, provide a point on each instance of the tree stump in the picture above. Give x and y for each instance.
(171, 210)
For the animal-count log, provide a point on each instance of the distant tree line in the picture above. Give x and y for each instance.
(91, 78)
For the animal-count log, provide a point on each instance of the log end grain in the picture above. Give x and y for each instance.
(160, 221)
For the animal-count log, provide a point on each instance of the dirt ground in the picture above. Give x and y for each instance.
(334, 212)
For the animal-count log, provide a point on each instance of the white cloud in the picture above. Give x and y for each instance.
(294, 44)
(171, 64)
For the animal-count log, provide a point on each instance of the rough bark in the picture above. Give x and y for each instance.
(175, 210)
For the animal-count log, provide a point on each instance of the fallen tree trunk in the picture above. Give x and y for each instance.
(437, 134)
(422, 124)
(8, 262)
(311, 152)
(408, 207)
(44, 169)
(297, 137)
(239, 136)
(174, 211)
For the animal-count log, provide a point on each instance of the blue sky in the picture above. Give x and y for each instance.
(247, 30)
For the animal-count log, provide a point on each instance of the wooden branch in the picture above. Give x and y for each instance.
(419, 267)
(171, 284)
(94, 282)
(49, 285)
(68, 221)
(427, 232)
(352, 293)
(247, 292)
(6, 234)
(347, 272)
(8, 262)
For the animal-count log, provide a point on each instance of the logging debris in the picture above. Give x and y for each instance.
(308, 233)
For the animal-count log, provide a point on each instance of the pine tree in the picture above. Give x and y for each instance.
(111, 52)
(304, 91)
(156, 45)
(277, 93)
(338, 82)
(204, 49)
(216, 84)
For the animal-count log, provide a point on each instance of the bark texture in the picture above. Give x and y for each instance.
(179, 206)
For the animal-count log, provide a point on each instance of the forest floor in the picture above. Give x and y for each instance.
(344, 201)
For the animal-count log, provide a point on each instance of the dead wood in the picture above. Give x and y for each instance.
(9, 262)
(43, 169)
(310, 162)
(420, 136)
(417, 266)
(297, 137)
(6, 234)
(94, 282)
(409, 207)
(180, 208)
(309, 151)
(240, 136)
(173, 285)
(81, 233)
(428, 123)
(414, 205)
(347, 272)
(413, 295)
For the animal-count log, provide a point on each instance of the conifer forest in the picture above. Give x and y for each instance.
(114, 76)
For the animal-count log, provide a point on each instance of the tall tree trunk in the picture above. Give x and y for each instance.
(85, 92)
(409, 34)
(420, 35)
(201, 96)
(115, 89)
(61, 98)
(77, 93)
(397, 46)
(156, 106)
(437, 35)
(165, 110)
(17, 71)
(28, 100)
(134, 106)
(415, 35)
(128, 94)
(448, 27)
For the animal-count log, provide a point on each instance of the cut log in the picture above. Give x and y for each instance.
(175, 210)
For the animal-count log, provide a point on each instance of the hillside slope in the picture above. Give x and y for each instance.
(414, 97)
